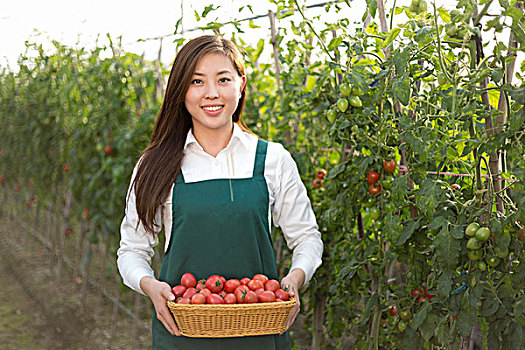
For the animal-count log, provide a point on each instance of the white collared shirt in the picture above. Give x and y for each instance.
(290, 206)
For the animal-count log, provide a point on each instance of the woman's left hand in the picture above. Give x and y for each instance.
(292, 282)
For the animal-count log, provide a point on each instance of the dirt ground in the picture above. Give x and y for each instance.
(37, 312)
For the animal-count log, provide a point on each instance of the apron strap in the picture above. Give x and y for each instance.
(260, 158)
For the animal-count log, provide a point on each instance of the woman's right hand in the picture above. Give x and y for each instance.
(159, 293)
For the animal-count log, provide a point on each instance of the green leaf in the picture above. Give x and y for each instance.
(393, 227)
(514, 12)
(400, 61)
(438, 222)
(444, 334)
(335, 171)
(428, 327)
(466, 318)
(420, 316)
(516, 335)
(253, 25)
(391, 36)
(457, 231)
(447, 249)
(399, 188)
(445, 16)
(334, 43)
(444, 283)
(401, 89)
(408, 230)
(489, 306)
(209, 9)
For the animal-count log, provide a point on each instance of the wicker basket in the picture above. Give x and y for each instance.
(235, 320)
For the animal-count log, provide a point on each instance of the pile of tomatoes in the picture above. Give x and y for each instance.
(217, 290)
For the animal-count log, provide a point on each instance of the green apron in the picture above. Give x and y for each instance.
(213, 234)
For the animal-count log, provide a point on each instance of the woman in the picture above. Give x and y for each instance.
(214, 187)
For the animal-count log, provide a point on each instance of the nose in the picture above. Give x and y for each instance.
(212, 92)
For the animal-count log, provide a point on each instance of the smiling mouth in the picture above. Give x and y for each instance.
(212, 108)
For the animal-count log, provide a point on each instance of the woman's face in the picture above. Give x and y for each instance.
(214, 93)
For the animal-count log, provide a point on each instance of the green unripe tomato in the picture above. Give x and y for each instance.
(475, 255)
(345, 89)
(483, 234)
(356, 91)
(402, 325)
(422, 6)
(331, 115)
(473, 243)
(389, 207)
(355, 129)
(374, 213)
(451, 31)
(482, 266)
(442, 80)
(405, 315)
(471, 229)
(355, 101)
(493, 261)
(342, 104)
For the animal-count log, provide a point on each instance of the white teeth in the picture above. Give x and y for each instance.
(212, 108)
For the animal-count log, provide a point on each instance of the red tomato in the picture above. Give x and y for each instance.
(255, 284)
(372, 177)
(214, 283)
(272, 285)
(317, 182)
(277, 300)
(320, 174)
(188, 280)
(222, 293)
(375, 190)
(393, 310)
(267, 297)
(429, 296)
(250, 297)
(389, 166)
(282, 294)
(231, 284)
(183, 300)
(205, 292)
(260, 277)
(178, 291)
(223, 279)
(241, 292)
(245, 280)
(214, 299)
(201, 284)
(422, 298)
(230, 299)
(189, 292)
(259, 291)
(198, 299)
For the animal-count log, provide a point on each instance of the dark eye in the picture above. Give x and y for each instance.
(196, 81)
(224, 80)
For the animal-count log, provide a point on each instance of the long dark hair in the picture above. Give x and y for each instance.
(160, 162)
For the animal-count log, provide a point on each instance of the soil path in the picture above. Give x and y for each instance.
(27, 319)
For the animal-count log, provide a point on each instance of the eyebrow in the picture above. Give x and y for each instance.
(224, 71)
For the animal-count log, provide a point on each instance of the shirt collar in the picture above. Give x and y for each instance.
(238, 134)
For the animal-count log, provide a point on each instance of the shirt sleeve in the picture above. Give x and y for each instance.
(293, 213)
(136, 245)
